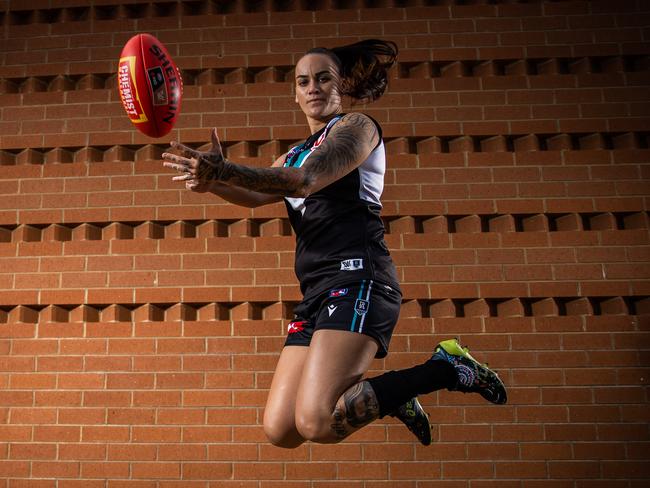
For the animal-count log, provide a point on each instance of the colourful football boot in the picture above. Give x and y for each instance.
(473, 377)
(416, 420)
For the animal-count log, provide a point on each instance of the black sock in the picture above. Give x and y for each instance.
(395, 388)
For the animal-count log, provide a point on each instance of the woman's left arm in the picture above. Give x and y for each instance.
(349, 143)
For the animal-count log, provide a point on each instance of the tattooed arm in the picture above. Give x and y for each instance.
(347, 145)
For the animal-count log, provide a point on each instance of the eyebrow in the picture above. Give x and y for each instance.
(326, 71)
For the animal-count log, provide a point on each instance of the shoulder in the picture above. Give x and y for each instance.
(364, 127)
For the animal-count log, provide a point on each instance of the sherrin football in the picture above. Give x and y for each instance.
(150, 85)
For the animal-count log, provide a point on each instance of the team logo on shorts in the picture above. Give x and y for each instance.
(340, 292)
(294, 327)
(361, 306)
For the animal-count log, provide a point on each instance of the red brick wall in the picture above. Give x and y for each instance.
(140, 323)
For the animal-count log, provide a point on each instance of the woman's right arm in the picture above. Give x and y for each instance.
(243, 197)
(233, 194)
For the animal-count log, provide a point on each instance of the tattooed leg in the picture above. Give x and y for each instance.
(357, 407)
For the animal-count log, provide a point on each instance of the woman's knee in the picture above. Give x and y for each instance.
(316, 427)
(282, 434)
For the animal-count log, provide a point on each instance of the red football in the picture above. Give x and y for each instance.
(150, 85)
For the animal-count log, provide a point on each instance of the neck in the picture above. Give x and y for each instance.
(317, 124)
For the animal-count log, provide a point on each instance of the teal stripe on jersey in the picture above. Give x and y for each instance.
(356, 315)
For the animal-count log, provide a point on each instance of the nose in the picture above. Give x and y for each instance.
(313, 86)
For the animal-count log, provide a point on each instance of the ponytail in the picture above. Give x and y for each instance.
(363, 67)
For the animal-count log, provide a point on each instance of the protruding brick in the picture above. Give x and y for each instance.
(90, 82)
(26, 233)
(118, 153)
(61, 83)
(57, 232)
(502, 223)
(511, 308)
(180, 229)
(535, 223)
(117, 230)
(33, 85)
(23, 314)
(410, 309)
(519, 67)
(526, 143)
(269, 75)
(7, 158)
(148, 312)
(629, 140)
(58, 155)
(470, 223)
(149, 230)
(494, 144)
(560, 142)
(54, 313)
(84, 313)
(180, 311)
(443, 308)
(614, 306)
(486, 68)
(149, 152)
(275, 227)
(551, 66)
(570, 221)
(402, 225)
(638, 220)
(275, 311)
(430, 145)
(243, 227)
(399, 145)
(212, 228)
(454, 69)
(476, 308)
(546, 307)
(116, 313)
(88, 155)
(581, 66)
(436, 225)
(579, 306)
(592, 141)
(241, 311)
(462, 144)
(87, 232)
(239, 75)
(210, 311)
(29, 156)
(603, 221)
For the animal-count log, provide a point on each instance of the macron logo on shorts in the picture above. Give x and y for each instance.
(351, 264)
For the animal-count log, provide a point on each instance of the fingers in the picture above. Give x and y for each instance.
(216, 144)
(186, 151)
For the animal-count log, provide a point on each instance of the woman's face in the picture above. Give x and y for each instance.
(317, 86)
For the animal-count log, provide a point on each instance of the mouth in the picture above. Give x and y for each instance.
(315, 100)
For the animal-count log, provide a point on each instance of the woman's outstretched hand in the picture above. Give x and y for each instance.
(200, 170)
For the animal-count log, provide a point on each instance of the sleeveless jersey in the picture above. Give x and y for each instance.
(339, 232)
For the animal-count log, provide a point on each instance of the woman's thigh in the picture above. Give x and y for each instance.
(336, 361)
(279, 413)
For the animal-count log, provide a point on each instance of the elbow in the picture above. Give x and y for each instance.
(306, 186)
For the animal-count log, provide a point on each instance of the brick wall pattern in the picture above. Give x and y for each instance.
(140, 323)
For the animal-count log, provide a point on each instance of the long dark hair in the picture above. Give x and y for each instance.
(363, 67)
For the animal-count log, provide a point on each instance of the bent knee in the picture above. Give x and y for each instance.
(316, 428)
(281, 435)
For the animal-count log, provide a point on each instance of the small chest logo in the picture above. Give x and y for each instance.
(351, 264)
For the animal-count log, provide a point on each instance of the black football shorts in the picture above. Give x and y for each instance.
(367, 307)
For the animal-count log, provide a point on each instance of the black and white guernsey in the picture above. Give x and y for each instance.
(339, 233)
